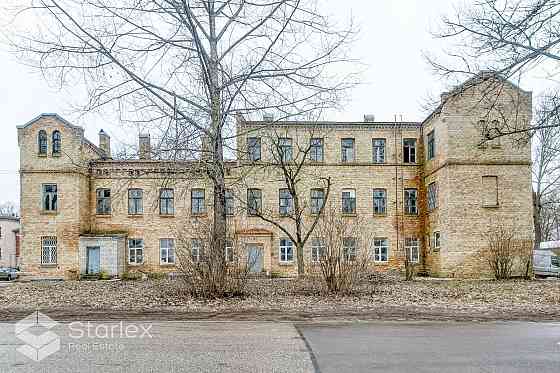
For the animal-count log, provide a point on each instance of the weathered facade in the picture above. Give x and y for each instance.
(433, 184)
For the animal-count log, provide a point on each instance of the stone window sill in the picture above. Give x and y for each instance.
(103, 215)
(56, 155)
(384, 215)
(381, 262)
(167, 264)
(491, 206)
(349, 215)
(41, 155)
(135, 216)
(286, 263)
(49, 265)
(45, 212)
(136, 264)
(199, 214)
(166, 215)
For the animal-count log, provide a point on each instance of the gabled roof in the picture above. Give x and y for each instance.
(49, 115)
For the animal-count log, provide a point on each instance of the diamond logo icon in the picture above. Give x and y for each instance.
(37, 346)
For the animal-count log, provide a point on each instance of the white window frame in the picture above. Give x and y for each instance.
(198, 201)
(49, 251)
(318, 249)
(286, 251)
(378, 149)
(52, 196)
(348, 153)
(165, 250)
(229, 251)
(384, 199)
(136, 249)
(352, 193)
(432, 196)
(196, 246)
(380, 243)
(411, 243)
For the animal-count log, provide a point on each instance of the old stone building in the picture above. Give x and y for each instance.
(432, 189)
(9, 241)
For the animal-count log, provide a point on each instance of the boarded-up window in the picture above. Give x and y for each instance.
(489, 191)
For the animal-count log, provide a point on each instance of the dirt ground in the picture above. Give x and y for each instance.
(287, 299)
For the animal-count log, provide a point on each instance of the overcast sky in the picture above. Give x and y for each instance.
(393, 34)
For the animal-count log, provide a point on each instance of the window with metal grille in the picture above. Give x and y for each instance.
(318, 249)
(348, 201)
(254, 201)
(254, 148)
(379, 201)
(56, 143)
(135, 204)
(48, 250)
(285, 202)
(50, 197)
(103, 201)
(198, 205)
(347, 147)
(135, 251)
(316, 152)
(317, 200)
(167, 250)
(42, 142)
(166, 202)
(432, 196)
(411, 201)
(378, 146)
(412, 248)
(380, 249)
(230, 203)
(409, 150)
(286, 250)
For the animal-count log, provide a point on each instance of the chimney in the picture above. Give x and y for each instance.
(144, 147)
(444, 96)
(105, 143)
(369, 118)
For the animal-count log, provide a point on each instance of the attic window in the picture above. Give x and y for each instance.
(56, 143)
(42, 142)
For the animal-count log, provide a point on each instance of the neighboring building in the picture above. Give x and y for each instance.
(430, 188)
(9, 241)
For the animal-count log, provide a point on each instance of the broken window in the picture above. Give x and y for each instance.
(409, 150)
(381, 249)
(167, 250)
(379, 201)
(490, 191)
(48, 250)
(50, 197)
(198, 205)
(411, 201)
(135, 251)
(348, 201)
(135, 205)
(347, 146)
(166, 202)
(432, 196)
(103, 201)
(378, 150)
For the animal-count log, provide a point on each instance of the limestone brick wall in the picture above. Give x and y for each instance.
(8, 241)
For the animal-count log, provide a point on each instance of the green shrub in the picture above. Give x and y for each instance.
(157, 275)
(103, 275)
(131, 276)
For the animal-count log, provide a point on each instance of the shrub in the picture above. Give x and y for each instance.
(131, 276)
(103, 275)
(157, 275)
(505, 250)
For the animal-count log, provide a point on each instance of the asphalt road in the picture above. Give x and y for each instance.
(418, 347)
(279, 347)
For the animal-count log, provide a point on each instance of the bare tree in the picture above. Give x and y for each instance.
(546, 171)
(505, 251)
(8, 209)
(292, 164)
(181, 69)
(210, 270)
(343, 263)
(508, 37)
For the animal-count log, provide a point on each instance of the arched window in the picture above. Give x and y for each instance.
(56, 143)
(42, 141)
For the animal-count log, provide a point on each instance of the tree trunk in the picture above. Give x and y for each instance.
(537, 220)
(299, 257)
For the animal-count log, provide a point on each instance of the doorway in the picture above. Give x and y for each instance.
(93, 260)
